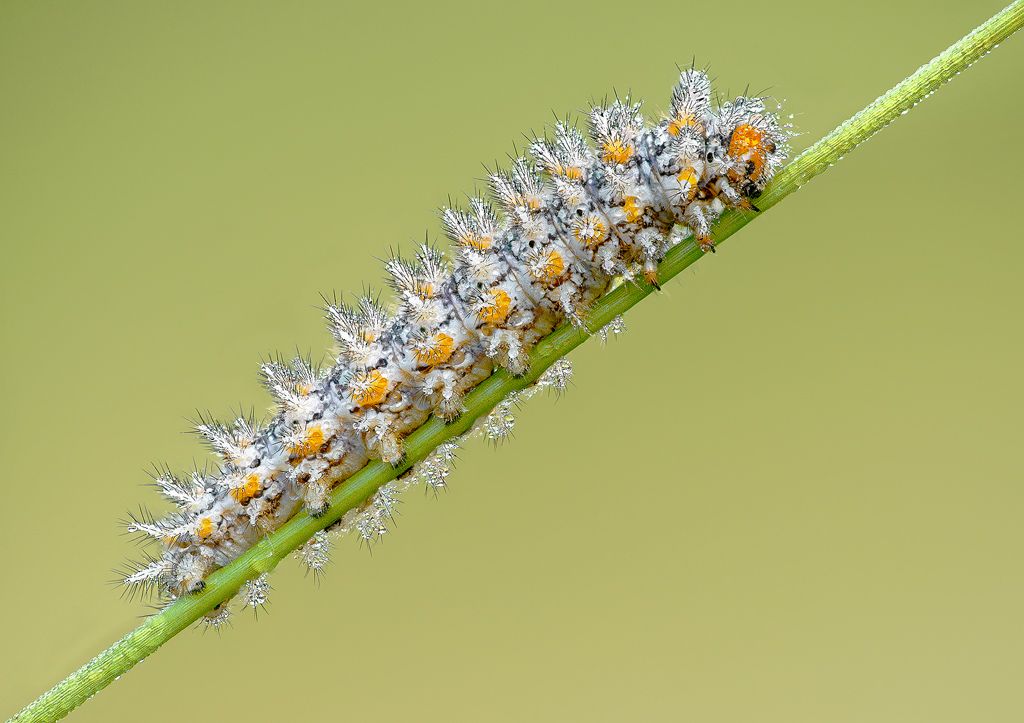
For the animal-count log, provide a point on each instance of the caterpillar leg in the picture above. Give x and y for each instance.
(575, 303)
(391, 448)
(517, 363)
(187, 573)
(653, 245)
(506, 347)
(447, 398)
(442, 393)
(651, 273)
(698, 222)
(733, 197)
(381, 439)
(450, 408)
(314, 498)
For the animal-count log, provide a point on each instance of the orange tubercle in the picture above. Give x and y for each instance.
(616, 152)
(632, 208)
(590, 231)
(573, 173)
(248, 490)
(480, 243)
(311, 442)
(438, 353)
(553, 266)
(205, 528)
(498, 309)
(370, 388)
(676, 125)
(689, 176)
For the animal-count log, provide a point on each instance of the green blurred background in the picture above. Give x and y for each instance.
(812, 515)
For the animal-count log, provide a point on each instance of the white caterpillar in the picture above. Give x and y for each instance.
(575, 218)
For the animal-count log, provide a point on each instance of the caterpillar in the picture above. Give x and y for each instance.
(576, 217)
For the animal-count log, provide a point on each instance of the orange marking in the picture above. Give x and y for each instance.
(311, 443)
(689, 176)
(480, 243)
(205, 528)
(573, 173)
(633, 210)
(758, 159)
(370, 388)
(439, 353)
(553, 266)
(247, 491)
(498, 309)
(590, 231)
(676, 125)
(616, 152)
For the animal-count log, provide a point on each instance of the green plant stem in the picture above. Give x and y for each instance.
(224, 583)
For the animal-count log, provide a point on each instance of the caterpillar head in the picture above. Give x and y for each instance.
(753, 151)
(755, 145)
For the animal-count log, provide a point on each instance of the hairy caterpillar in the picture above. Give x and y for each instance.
(575, 218)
